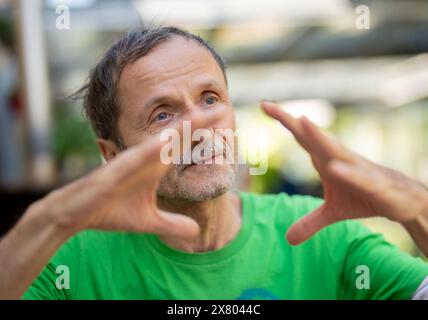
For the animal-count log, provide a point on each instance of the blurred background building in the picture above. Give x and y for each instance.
(357, 68)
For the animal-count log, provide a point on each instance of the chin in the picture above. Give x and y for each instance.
(204, 193)
(200, 183)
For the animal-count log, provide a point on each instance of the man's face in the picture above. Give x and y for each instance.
(176, 77)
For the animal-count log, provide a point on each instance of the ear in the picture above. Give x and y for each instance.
(108, 148)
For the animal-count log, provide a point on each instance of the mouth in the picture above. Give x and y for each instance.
(208, 161)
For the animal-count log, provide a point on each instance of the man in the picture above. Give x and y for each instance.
(177, 231)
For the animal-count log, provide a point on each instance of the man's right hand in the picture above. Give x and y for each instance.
(122, 194)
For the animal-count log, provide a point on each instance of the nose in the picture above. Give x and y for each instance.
(200, 117)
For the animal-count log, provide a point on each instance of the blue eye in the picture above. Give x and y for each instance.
(161, 116)
(211, 100)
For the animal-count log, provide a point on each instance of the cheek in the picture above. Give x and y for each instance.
(169, 179)
(124, 130)
(228, 119)
(228, 122)
(130, 136)
(231, 120)
(134, 138)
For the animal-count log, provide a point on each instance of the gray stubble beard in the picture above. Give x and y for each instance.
(174, 188)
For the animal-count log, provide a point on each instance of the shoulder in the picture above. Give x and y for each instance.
(89, 244)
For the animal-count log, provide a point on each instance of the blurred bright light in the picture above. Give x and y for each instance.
(319, 111)
(71, 3)
(209, 12)
(406, 82)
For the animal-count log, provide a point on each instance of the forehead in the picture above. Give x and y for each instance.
(171, 63)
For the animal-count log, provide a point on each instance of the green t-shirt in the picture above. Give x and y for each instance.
(343, 261)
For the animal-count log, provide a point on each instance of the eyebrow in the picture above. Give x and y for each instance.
(211, 83)
(161, 99)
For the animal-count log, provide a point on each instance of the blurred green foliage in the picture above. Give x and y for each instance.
(73, 136)
(6, 32)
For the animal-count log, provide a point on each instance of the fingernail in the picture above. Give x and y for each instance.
(268, 104)
(269, 101)
(291, 239)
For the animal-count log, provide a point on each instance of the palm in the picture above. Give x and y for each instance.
(131, 212)
(346, 205)
(341, 201)
(371, 190)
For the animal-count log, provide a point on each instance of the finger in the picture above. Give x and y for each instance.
(307, 226)
(309, 136)
(294, 125)
(325, 143)
(175, 225)
(291, 123)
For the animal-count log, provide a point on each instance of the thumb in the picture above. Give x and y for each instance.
(175, 225)
(307, 226)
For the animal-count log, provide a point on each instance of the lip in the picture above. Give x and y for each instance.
(212, 159)
(203, 162)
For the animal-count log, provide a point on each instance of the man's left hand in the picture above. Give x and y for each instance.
(354, 187)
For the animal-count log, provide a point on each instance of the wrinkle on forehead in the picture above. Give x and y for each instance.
(176, 61)
(175, 68)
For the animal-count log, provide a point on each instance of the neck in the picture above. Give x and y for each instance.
(219, 220)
